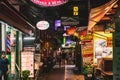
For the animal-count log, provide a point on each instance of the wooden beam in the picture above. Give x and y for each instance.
(16, 20)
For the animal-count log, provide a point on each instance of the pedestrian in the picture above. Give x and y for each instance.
(63, 57)
(38, 65)
(4, 66)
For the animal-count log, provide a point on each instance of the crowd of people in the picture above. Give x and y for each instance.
(61, 59)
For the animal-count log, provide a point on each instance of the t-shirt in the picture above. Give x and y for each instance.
(4, 65)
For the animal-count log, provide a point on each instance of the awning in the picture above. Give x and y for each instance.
(13, 18)
(96, 14)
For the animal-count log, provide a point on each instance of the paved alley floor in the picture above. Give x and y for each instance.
(69, 74)
(63, 73)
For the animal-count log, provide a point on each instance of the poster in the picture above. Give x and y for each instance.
(27, 62)
(101, 48)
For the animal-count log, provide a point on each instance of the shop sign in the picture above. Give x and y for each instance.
(71, 30)
(87, 52)
(70, 21)
(27, 62)
(87, 37)
(109, 41)
(49, 2)
(42, 25)
(75, 11)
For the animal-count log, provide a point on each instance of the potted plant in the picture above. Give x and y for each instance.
(25, 74)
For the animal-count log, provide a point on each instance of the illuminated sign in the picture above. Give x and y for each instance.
(42, 25)
(49, 2)
(75, 10)
(71, 30)
(109, 42)
(87, 37)
(27, 62)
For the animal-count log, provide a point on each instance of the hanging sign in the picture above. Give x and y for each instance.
(42, 25)
(75, 11)
(49, 2)
(70, 21)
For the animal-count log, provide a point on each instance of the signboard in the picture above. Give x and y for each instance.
(87, 52)
(42, 25)
(49, 2)
(27, 62)
(109, 41)
(87, 37)
(75, 11)
(70, 21)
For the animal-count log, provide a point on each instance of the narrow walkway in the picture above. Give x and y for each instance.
(56, 74)
(64, 73)
(69, 74)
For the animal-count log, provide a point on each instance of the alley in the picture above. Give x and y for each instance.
(63, 73)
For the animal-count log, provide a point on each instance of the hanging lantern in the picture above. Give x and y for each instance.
(71, 30)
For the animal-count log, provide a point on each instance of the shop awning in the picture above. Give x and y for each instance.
(96, 14)
(13, 18)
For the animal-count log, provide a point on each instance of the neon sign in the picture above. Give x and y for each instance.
(49, 2)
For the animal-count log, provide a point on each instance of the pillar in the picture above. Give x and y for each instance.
(18, 50)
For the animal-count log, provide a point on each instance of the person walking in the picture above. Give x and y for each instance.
(4, 66)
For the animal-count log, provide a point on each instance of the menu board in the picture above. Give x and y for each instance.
(27, 62)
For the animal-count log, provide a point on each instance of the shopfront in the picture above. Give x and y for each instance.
(9, 44)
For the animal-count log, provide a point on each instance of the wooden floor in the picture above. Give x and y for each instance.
(64, 73)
